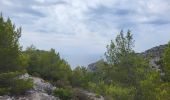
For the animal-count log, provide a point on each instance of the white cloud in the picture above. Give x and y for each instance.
(80, 29)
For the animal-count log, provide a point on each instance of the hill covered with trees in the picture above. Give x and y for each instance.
(125, 75)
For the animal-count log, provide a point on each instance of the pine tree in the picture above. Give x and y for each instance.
(11, 60)
(9, 46)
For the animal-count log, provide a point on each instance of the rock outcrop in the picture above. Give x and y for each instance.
(41, 91)
(40, 85)
(154, 52)
(154, 55)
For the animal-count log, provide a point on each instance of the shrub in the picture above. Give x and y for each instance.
(97, 95)
(4, 91)
(113, 91)
(20, 86)
(63, 93)
(10, 84)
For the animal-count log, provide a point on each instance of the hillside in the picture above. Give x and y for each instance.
(34, 74)
(153, 54)
(42, 90)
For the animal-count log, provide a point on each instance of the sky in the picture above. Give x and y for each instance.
(80, 29)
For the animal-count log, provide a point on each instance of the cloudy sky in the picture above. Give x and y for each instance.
(81, 29)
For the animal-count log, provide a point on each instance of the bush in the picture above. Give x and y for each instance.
(6, 78)
(20, 86)
(4, 91)
(64, 94)
(97, 95)
(163, 91)
(113, 91)
(117, 92)
(10, 84)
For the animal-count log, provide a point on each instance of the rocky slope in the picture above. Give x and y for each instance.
(155, 51)
(40, 91)
(154, 55)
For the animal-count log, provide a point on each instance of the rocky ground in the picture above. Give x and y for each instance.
(43, 89)
(40, 91)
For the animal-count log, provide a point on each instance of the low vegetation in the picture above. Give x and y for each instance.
(125, 75)
(64, 93)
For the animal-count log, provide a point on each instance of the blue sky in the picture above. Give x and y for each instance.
(81, 29)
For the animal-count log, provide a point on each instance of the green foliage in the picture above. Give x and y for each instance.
(148, 87)
(10, 84)
(12, 62)
(4, 91)
(113, 91)
(64, 93)
(48, 65)
(24, 59)
(99, 88)
(125, 76)
(6, 79)
(9, 46)
(101, 72)
(120, 49)
(80, 77)
(117, 92)
(97, 96)
(163, 91)
(125, 67)
(19, 86)
(166, 61)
